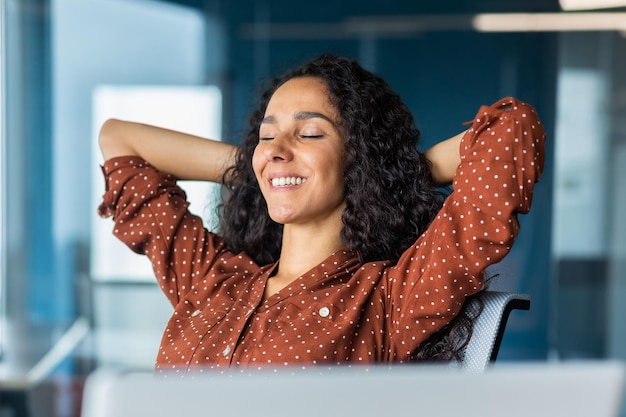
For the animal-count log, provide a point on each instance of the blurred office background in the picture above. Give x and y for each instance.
(71, 299)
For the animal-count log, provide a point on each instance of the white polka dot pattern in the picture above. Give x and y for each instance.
(340, 311)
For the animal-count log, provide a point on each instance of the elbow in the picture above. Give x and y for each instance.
(112, 139)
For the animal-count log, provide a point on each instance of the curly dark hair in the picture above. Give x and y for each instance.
(389, 192)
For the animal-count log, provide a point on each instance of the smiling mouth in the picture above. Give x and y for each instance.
(287, 181)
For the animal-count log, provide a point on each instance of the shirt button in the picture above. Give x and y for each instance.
(324, 312)
(226, 351)
(195, 313)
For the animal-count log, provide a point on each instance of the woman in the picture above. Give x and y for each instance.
(334, 244)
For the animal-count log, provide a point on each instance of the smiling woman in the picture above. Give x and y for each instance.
(335, 245)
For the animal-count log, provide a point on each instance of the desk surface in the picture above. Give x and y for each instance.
(520, 390)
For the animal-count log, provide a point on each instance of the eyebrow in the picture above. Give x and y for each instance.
(302, 115)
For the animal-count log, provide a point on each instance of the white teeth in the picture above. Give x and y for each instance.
(286, 181)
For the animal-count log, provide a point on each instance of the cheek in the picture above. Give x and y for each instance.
(340, 171)
(336, 181)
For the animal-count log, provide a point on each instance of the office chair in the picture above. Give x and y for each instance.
(489, 326)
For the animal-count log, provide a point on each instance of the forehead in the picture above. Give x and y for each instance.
(301, 94)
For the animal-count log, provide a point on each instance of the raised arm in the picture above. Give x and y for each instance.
(186, 156)
(444, 158)
(502, 157)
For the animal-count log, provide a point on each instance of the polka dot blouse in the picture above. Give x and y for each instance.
(341, 310)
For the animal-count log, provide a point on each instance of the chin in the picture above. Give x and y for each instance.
(280, 218)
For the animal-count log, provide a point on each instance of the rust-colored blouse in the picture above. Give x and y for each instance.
(341, 310)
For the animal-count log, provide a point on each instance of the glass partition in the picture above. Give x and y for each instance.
(2, 177)
(589, 193)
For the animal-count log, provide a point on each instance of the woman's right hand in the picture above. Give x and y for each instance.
(185, 156)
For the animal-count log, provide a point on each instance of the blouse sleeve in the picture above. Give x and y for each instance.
(502, 157)
(151, 218)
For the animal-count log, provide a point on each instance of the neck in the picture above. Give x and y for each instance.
(303, 248)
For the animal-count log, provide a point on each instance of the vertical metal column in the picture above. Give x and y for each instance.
(2, 174)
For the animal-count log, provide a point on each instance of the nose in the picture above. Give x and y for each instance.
(278, 149)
